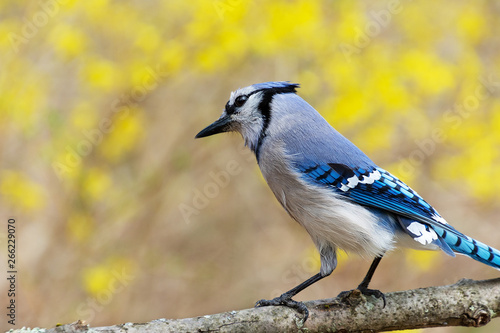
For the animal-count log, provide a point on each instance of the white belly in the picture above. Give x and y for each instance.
(330, 219)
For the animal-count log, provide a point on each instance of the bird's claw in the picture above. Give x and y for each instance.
(286, 301)
(365, 291)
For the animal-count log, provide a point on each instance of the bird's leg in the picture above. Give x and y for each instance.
(286, 298)
(363, 286)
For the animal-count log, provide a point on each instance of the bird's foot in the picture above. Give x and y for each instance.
(355, 293)
(286, 301)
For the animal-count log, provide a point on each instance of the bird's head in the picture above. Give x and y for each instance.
(248, 111)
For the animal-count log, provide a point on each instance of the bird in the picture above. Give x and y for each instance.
(332, 189)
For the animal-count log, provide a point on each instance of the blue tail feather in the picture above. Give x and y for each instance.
(463, 244)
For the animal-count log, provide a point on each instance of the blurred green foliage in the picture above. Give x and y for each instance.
(121, 214)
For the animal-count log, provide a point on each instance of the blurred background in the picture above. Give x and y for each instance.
(122, 216)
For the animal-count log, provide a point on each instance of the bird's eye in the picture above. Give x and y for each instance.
(240, 100)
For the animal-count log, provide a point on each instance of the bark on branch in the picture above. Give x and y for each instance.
(466, 303)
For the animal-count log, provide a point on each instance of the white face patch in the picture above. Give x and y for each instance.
(425, 236)
(353, 181)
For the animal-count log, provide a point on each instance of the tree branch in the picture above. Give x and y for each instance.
(466, 303)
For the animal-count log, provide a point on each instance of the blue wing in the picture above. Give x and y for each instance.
(374, 187)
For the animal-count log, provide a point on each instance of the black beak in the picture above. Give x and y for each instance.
(220, 125)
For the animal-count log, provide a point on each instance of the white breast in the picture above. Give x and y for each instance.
(328, 218)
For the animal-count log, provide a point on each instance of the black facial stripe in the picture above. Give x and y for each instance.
(265, 110)
(230, 109)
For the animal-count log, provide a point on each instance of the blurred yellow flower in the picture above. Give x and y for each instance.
(391, 93)
(471, 24)
(23, 97)
(8, 35)
(348, 25)
(68, 40)
(148, 39)
(429, 74)
(347, 109)
(287, 23)
(376, 137)
(173, 56)
(95, 184)
(107, 277)
(102, 74)
(96, 279)
(67, 164)
(97, 10)
(423, 261)
(20, 191)
(125, 134)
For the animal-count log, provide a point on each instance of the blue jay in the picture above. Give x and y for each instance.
(332, 189)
